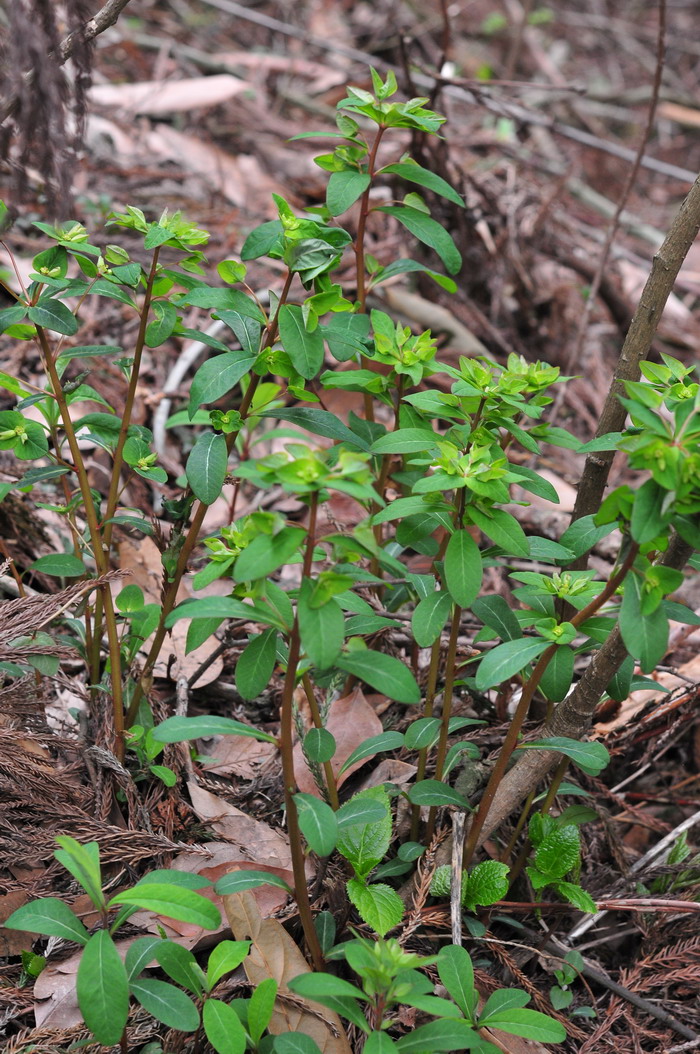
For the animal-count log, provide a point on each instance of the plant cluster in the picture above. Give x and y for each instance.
(434, 471)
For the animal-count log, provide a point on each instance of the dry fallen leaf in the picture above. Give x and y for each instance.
(236, 755)
(159, 97)
(351, 720)
(274, 954)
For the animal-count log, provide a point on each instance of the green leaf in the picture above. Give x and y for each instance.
(50, 917)
(556, 679)
(504, 661)
(297, 1043)
(83, 862)
(11, 384)
(322, 629)
(206, 467)
(429, 617)
(645, 636)
(102, 989)
(583, 534)
(360, 810)
(317, 986)
(217, 377)
(268, 552)
(256, 663)
(344, 188)
(456, 972)
(494, 612)
(435, 793)
(64, 565)
(304, 349)
(405, 441)
(162, 326)
(225, 957)
(577, 896)
(140, 954)
(648, 518)
(173, 901)
(181, 729)
(238, 881)
(560, 851)
(319, 422)
(382, 672)
(181, 966)
(379, 744)
(52, 314)
(166, 1003)
(379, 905)
(319, 745)
(414, 173)
(366, 844)
(485, 884)
(590, 757)
(442, 1035)
(317, 822)
(463, 568)
(428, 231)
(261, 1007)
(501, 528)
(529, 1024)
(221, 608)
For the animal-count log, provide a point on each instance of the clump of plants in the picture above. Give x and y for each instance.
(433, 470)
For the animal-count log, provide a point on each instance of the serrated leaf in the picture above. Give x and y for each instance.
(206, 467)
(463, 568)
(485, 884)
(366, 844)
(382, 672)
(102, 989)
(559, 852)
(577, 896)
(506, 660)
(379, 905)
(317, 822)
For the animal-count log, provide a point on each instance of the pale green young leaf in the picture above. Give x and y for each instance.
(378, 905)
(83, 862)
(223, 1027)
(224, 958)
(175, 902)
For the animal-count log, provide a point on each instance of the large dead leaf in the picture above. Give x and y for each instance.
(351, 720)
(236, 755)
(159, 97)
(274, 954)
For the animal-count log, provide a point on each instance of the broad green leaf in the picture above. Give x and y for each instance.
(52, 314)
(256, 663)
(379, 744)
(64, 565)
(319, 422)
(162, 326)
(322, 629)
(463, 568)
(221, 608)
(181, 966)
(556, 679)
(645, 636)
(206, 467)
(423, 733)
(218, 376)
(140, 954)
(529, 1024)
(382, 672)
(576, 896)
(379, 905)
(297, 1043)
(175, 902)
(506, 660)
(428, 231)
(319, 745)
(317, 822)
(583, 534)
(83, 862)
(435, 793)
(50, 917)
(405, 441)
(485, 884)
(166, 1003)
(304, 349)
(456, 972)
(238, 881)
(366, 844)
(102, 989)
(648, 516)
(504, 999)
(267, 552)
(590, 757)
(414, 173)
(318, 985)
(429, 617)
(261, 1007)
(559, 852)
(495, 613)
(503, 529)
(442, 1035)
(360, 810)
(181, 729)
(344, 188)
(225, 957)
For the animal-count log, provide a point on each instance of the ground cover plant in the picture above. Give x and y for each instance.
(432, 464)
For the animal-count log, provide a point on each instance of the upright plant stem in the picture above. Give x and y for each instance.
(450, 671)
(360, 252)
(511, 740)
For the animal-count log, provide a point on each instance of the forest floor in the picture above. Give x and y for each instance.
(192, 108)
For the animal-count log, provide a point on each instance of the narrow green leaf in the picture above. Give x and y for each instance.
(319, 422)
(50, 917)
(428, 231)
(181, 966)
(261, 1007)
(556, 679)
(435, 793)
(414, 173)
(304, 349)
(64, 565)
(442, 1035)
(221, 608)
(225, 957)
(102, 989)
(405, 441)
(206, 467)
(140, 954)
(52, 314)
(503, 529)
(382, 672)
(256, 663)
(529, 1024)
(457, 974)
(175, 902)
(166, 1003)
(645, 636)
(463, 568)
(322, 629)
(591, 757)
(506, 660)
(218, 376)
(297, 1043)
(379, 744)
(268, 552)
(360, 810)
(181, 729)
(238, 881)
(429, 617)
(83, 862)
(494, 612)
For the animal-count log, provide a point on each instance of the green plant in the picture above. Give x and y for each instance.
(560, 994)
(557, 847)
